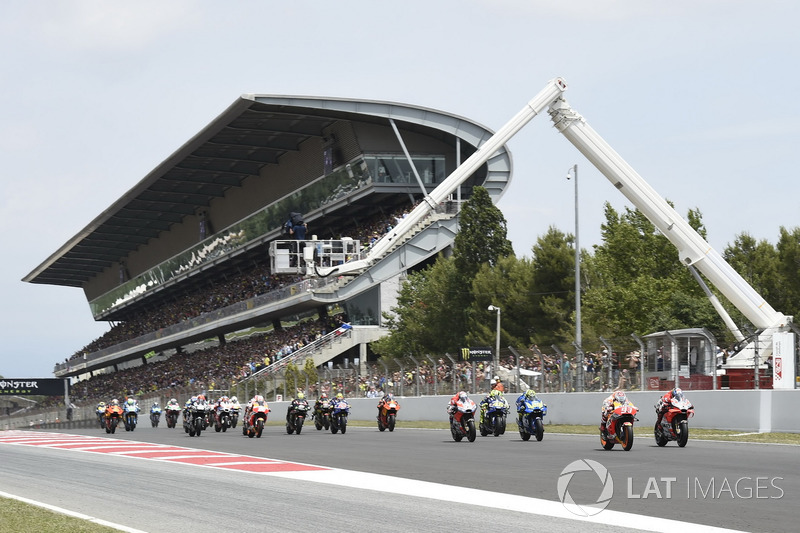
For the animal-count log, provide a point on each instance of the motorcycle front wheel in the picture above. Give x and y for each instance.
(539, 428)
(298, 424)
(471, 434)
(391, 422)
(627, 437)
(683, 433)
(259, 427)
(343, 424)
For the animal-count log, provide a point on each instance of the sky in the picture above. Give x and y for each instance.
(701, 99)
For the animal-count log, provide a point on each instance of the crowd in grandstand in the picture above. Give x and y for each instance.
(248, 284)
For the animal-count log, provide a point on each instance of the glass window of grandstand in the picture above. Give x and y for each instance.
(396, 168)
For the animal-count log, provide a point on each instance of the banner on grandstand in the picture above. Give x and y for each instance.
(32, 387)
(481, 353)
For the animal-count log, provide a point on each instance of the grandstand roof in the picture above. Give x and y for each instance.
(254, 131)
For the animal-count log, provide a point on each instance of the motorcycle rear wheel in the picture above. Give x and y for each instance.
(661, 439)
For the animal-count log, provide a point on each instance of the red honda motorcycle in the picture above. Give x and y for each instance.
(619, 427)
(256, 418)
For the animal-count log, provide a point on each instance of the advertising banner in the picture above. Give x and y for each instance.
(783, 360)
(484, 353)
(32, 387)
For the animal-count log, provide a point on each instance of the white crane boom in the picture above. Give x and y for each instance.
(539, 103)
(692, 248)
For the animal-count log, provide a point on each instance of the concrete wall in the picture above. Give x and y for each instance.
(739, 410)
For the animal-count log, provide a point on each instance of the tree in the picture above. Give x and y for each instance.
(310, 371)
(639, 285)
(435, 305)
(481, 236)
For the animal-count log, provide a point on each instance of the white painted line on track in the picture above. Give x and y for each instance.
(496, 500)
(433, 491)
(67, 512)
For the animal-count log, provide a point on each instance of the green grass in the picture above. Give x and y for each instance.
(20, 517)
(694, 433)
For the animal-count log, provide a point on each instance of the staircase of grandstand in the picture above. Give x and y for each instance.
(322, 350)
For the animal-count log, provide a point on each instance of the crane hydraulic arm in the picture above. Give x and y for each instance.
(538, 104)
(692, 248)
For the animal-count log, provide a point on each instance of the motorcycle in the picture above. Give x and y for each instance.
(208, 419)
(173, 412)
(530, 420)
(341, 409)
(675, 423)
(322, 415)
(256, 417)
(235, 409)
(101, 417)
(294, 423)
(619, 427)
(112, 417)
(387, 416)
(194, 419)
(494, 419)
(222, 418)
(130, 417)
(462, 420)
(155, 416)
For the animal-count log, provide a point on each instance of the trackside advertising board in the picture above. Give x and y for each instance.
(476, 354)
(31, 387)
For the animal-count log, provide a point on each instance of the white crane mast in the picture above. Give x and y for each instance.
(692, 248)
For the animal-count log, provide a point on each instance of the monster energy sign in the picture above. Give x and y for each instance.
(476, 354)
(32, 387)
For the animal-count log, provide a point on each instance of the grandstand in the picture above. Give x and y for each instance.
(183, 256)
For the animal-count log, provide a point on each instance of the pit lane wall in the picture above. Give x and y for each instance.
(745, 410)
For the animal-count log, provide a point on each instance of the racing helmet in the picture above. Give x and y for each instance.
(259, 398)
(340, 396)
(101, 404)
(155, 404)
(234, 399)
(462, 396)
(114, 402)
(323, 396)
(130, 401)
(677, 393)
(494, 393)
(390, 396)
(619, 396)
(201, 397)
(301, 396)
(530, 393)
